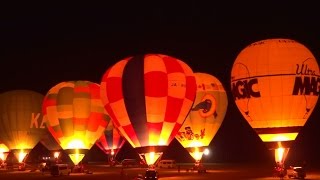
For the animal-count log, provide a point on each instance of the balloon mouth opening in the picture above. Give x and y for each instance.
(150, 158)
(197, 152)
(3, 156)
(280, 154)
(76, 158)
(21, 154)
(150, 154)
(76, 155)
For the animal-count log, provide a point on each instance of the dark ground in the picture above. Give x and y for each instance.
(217, 171)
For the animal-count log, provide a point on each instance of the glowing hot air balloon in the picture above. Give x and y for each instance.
(111, 141)
(275, 84)
(205, 117)
(75, 116)
(148, 97)
(21, 122)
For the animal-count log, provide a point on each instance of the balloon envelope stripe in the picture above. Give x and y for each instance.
(158, 87)
(172, 65)
(134, 97)
(191, 88)
(130, 132)
(173, 109)
(114, 89)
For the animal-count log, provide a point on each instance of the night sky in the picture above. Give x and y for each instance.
(44, 45)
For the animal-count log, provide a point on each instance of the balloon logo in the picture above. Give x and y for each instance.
(275, 85)
(148, 98)
(207, 106)
(75, 116)
(205, 117)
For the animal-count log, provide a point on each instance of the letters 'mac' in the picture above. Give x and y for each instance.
(306, 85)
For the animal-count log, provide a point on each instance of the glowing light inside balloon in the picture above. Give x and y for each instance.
(4, 151)
(3, 148)
(196, 144)
(22, 146)
(196, 154)
(112, 152)
(3, 156)
(21, 156)
(76, 144)
(279, 154)
(163, 140)
(151, 157)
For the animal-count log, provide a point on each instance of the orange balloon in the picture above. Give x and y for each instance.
(275, 85)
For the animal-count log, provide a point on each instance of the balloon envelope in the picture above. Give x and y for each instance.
(21, 122)
(205, 117)
(75, 116)
(111, 140)
(275, 85)
(148, 98)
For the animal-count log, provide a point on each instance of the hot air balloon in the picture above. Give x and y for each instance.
(205, 117)
(4, 151)
(275, 85)
(21, 122)
(111, 142)
(75, 116)
(148, 97)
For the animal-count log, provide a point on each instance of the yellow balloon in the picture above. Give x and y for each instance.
(275, 85)
(205, 117)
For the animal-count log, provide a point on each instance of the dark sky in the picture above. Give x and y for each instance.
(42, 45)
